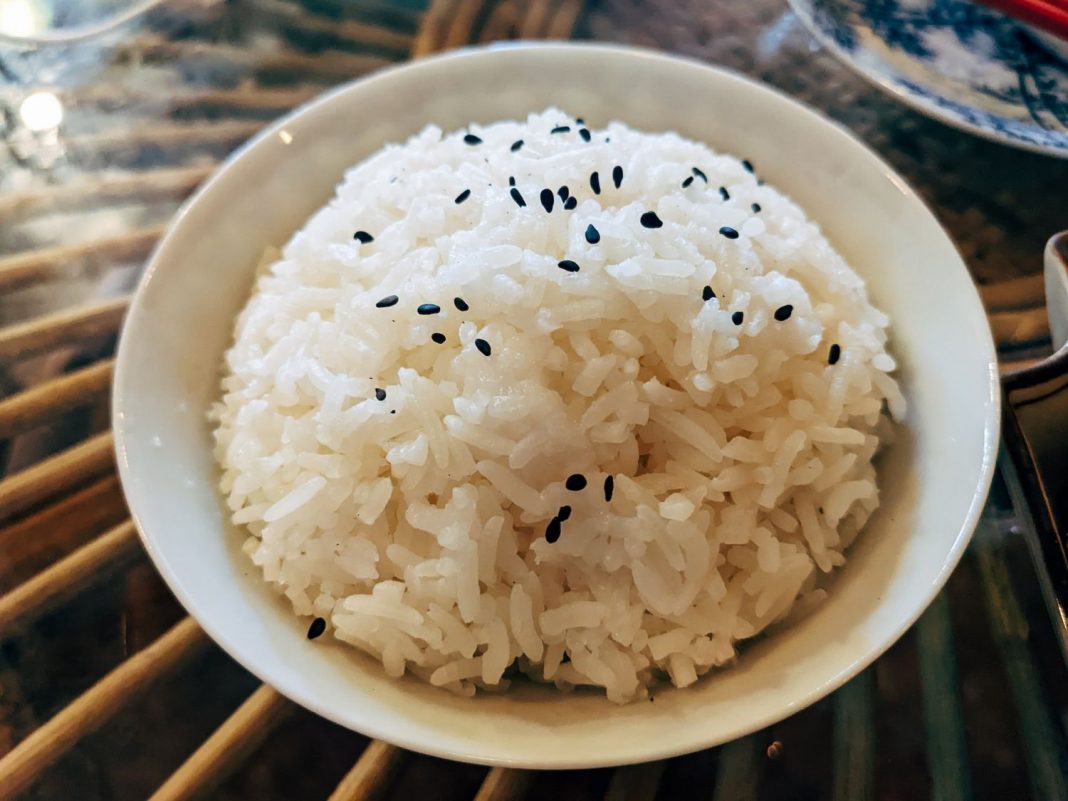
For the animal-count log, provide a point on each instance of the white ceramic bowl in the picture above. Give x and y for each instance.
(934, 479)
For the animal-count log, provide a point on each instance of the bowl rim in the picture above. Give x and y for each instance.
(380, 728)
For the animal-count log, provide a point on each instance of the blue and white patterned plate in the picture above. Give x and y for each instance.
(956, 61)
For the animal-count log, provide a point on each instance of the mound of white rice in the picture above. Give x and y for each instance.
(712, 369)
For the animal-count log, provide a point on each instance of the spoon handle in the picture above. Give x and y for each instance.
(1034, 459)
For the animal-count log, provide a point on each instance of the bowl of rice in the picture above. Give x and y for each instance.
(484, 402)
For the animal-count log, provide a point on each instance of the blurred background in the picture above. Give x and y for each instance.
(111, 113)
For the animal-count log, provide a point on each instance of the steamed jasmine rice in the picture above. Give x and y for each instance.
(591, 406)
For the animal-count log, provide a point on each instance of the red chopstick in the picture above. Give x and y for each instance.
(1049, 15)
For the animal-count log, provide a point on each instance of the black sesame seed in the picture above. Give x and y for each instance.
(387, 301)
(511, 180)
(728, 232)
(756, 208)
(585, 134)
(564, 193)
(687, 181)
(518, 198)
(737, 318)
(723, 193)
(317, 627)
(568, 265)
(650, 220)
(380, 394)
(707, 294)
(392, 411)
(593, 236)
(570, 203)
(564, 514)
(460, 198)
(579, 121)
(460, 304)
(363, 237)
(516, 145)
(699, 174)
(471, 139)
(483, 347)
(782, 314)
(560, 129)
(595, 183)
(552, 531)
(576, 482)
(546, 198)
(438, 337)
(748, 165)
(617, 175)
(429, 308)
(609, 488)
(835, 354)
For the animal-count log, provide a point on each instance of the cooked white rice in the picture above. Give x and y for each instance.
(416, 524)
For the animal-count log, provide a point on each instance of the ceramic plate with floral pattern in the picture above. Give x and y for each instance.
(956, 61)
